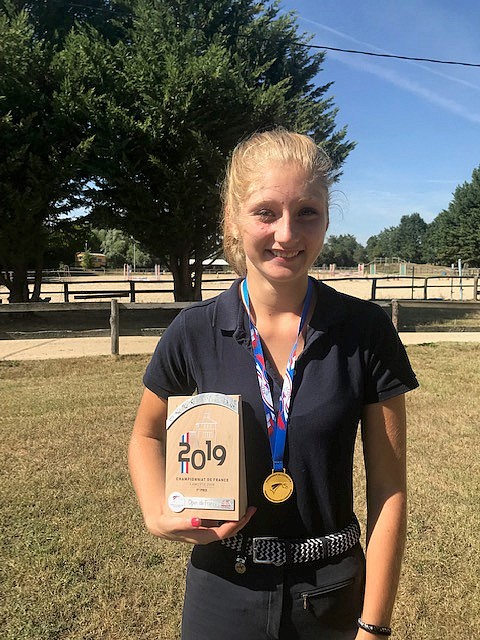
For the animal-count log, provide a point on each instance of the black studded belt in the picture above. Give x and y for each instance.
(279, 551)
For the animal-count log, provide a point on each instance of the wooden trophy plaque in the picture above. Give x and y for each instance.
(205, 463)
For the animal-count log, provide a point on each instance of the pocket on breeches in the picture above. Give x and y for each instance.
(334, 597)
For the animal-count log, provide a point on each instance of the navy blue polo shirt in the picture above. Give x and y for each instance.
(352, 357)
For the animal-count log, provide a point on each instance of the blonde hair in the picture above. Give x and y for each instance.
(244, 168)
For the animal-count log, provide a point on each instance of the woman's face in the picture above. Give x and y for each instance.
(282, 224)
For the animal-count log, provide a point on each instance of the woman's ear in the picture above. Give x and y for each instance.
(231, 226)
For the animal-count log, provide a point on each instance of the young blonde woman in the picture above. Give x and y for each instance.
(310, 364)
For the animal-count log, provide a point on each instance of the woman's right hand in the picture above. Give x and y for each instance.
(195, 531)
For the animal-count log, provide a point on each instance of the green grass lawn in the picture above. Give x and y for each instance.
(77, 563)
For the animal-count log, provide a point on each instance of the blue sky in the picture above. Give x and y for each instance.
(416, 124)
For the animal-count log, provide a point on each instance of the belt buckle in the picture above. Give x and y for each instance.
(255, 551)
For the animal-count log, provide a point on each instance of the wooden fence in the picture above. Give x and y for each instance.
(447, 308)
(463, 284)
(170, 310)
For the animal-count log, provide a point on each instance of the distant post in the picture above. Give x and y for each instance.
(114, 327)
(460, 277)
(395, 313)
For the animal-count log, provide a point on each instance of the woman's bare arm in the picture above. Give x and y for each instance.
(384, 443)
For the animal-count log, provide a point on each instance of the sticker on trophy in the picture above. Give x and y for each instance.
(176, 502)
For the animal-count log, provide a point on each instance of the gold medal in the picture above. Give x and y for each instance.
(278, 486)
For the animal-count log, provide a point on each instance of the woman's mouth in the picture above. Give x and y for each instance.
(284, 254)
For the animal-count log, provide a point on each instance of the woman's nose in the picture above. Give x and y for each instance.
(285, 229)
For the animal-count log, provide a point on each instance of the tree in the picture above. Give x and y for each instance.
(65, 239)
(409, 236)
(118, 248)
(382, 244)
(87, 260)
(405, 241)
(38, 159)
(343, 250)
(114, 244)
(168, 103)
(41, 155)
(53, 19)
(455, 232)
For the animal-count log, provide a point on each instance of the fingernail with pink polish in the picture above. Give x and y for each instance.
(196, 522)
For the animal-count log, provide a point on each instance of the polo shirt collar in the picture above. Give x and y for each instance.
(330, 309)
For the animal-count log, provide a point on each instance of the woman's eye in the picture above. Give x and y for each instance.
(265, 214)
(308, 211)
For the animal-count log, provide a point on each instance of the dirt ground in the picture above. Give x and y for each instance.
(45, 349)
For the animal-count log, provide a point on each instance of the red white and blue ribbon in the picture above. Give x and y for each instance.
(276, 424)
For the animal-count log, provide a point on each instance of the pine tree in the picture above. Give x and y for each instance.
(168, 103)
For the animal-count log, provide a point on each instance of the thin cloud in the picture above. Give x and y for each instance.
(396, 79)
(411, 86)
(369, 45)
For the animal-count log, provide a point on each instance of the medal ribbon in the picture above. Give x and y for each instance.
(276, 425)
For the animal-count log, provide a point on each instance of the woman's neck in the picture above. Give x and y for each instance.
(269, 300)
(276, 312)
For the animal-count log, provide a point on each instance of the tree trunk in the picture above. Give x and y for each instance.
(38, 279)
(4, 279)
(197, 284)
(19, 286)
(185, 287)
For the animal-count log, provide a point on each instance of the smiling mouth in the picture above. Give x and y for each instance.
(284, 254)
